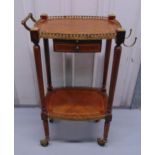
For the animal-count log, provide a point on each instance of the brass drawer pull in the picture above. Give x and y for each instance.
(77, 48)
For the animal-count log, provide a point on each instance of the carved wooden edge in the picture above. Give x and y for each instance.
(120, 36)
(44, 17)
(94, 118)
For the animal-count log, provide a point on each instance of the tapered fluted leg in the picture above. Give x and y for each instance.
(37, 56)
(120, 36)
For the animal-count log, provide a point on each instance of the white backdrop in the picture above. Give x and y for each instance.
(66, 69)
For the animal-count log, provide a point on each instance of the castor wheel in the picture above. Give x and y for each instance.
(101, 142)
(51, 121)
(44, 142)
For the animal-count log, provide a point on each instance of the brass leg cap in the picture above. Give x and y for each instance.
(44, 142)
(101, 142)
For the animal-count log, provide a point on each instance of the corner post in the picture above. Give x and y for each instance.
(107, 57)
(44, 17)
(34, 33)
(106, 63)
(120, 36)
(37, 56)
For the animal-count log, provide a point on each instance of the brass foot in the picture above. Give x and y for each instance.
(44, 142)
(101, 142)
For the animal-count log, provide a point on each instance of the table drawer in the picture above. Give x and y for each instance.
(77, 45)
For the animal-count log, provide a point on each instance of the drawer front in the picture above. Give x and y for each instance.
(77, 46)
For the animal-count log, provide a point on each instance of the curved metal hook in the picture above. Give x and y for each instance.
(29, 16)
(129, 34)
(131, 44)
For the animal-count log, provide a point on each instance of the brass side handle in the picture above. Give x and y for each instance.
(23, 22)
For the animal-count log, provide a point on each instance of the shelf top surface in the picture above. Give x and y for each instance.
(77, 27)
(76, 104)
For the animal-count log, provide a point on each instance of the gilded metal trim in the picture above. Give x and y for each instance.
(78, 36)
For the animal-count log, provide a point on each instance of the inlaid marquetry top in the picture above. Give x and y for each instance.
(77, 27)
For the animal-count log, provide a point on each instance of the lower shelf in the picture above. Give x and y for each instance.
(76, 104)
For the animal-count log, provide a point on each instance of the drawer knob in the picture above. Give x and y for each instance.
(77, 48)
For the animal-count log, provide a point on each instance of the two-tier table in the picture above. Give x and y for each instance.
(78, 34)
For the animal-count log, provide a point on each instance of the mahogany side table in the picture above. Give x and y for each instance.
(78, 34)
